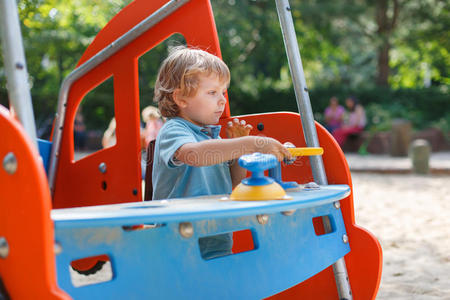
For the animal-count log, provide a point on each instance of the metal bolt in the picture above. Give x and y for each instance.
(102, 168)
(337, 204)
(312, 186)
(345, 238)
(19, 66)
(186, 229)
(262, 219)
(288, 212)
(4, 248)
(57, 248)
(10, 163)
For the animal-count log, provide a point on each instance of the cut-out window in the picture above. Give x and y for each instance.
(94, 120)
(323, 225)
(91, 270)
(219, 245)
(149, 64)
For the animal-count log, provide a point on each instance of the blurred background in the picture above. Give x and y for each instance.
(393, 55)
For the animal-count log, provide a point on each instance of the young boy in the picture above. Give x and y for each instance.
(190, 158)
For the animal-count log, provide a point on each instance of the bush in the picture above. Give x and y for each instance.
(424, 107)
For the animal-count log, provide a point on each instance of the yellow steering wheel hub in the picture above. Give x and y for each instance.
(271, 191)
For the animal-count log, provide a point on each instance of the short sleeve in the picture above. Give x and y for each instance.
(171, 139)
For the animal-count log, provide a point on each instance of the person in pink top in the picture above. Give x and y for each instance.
(334, 115)
(354, 123)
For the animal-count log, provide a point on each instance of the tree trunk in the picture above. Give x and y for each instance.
(383, 64)
(386, 26)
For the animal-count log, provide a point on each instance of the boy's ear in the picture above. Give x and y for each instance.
(178, 98)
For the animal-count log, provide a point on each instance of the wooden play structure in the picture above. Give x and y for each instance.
(83, 212)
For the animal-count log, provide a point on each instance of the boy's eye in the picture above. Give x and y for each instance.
(212, 92)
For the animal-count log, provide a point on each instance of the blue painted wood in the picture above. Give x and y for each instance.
(45, 147)
(160, 264)
(189, 209)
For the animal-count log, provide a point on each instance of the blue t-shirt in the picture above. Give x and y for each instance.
(173, 179)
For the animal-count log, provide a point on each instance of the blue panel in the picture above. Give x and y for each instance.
(160, 264)
(190, 209)
(45, 148)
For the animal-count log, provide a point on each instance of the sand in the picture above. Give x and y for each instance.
(410, 215)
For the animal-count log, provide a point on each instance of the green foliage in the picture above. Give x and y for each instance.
(55, 35)
(338, 43)
(424, 107)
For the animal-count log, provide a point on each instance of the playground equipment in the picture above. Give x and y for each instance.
(90, 210)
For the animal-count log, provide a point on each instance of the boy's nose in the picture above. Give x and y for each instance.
(222, 99)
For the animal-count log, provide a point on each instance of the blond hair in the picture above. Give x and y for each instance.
(150, 112)
(180, 70)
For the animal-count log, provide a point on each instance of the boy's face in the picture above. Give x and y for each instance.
(208, 103)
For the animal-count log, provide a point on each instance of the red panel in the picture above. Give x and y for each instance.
(85, 264)
(80, 183)
(364, 262)
(243, 241)
(28, 272)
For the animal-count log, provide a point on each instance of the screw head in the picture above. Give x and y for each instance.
(337, 204)
(102, 167)
(345, 238)
(4, 248)
(288, 212)
(10, 163)
(262, 219)
(57, 248)
(312, 186)
(186, 229)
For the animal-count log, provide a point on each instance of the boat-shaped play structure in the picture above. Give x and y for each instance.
(63, 215)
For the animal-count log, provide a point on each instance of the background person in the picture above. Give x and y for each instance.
(109, 136)
(354, 123)
(79, 131)
(334, 115)
(153, 123)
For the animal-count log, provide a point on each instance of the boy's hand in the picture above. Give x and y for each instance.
(237, 128)
(272, 146)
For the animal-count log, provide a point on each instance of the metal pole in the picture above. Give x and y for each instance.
(16, 67)
(309, 129)
(93, 62)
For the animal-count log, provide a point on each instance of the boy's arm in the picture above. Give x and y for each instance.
(237, 173)
(211, 152)
(237, 128)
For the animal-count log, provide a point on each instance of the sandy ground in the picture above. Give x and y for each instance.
(410, 215)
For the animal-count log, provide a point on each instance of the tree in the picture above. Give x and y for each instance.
(347, 44)
(386, 26)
